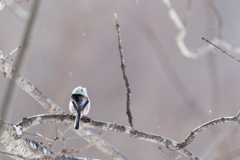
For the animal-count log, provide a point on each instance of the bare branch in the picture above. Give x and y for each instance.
(51, 107)
(129, 114)
(11, 52)
(15, 145)
(13, 142)
(221, 49)
(87, 122)
(204, 126)
(182, 34)
(90, 145)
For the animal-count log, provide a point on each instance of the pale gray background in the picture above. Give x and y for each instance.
(75, 43)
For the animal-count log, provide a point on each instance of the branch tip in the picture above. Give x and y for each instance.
(128, 112)
(221, 49)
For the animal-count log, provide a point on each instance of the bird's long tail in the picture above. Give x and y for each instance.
(77, 121)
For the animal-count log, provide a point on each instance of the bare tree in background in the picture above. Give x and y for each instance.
(15, 141)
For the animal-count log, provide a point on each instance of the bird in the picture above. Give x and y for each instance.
(79, 104)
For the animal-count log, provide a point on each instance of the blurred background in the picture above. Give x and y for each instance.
(75, 43)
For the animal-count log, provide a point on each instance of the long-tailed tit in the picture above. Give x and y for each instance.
(79, 104)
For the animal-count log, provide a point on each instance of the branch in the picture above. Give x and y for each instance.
(204, 126)
(221, 49)
(14, 144)
(129, 114)
(51, 107)
(87, 122)
(182, 34)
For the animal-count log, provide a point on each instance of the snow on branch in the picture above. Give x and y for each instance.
(182, 34)
(51, 107)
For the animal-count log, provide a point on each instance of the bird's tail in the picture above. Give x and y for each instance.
(77, 121)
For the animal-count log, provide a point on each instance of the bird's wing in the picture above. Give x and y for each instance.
(84, 104)
(74, 104)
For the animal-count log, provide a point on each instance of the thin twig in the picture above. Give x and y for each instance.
(11, 52)
(183, 32)
(129, 114)
(84, 148)
(221, 49)
(55, 140)
(30, 134)
(63, 140)
(90, 145)
(48, 139)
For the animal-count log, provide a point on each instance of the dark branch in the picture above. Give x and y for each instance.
(221, 49)
(129, 114)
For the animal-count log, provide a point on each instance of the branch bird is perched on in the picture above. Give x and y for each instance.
(79, 104)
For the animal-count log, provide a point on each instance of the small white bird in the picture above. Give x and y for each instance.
(79, 104)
